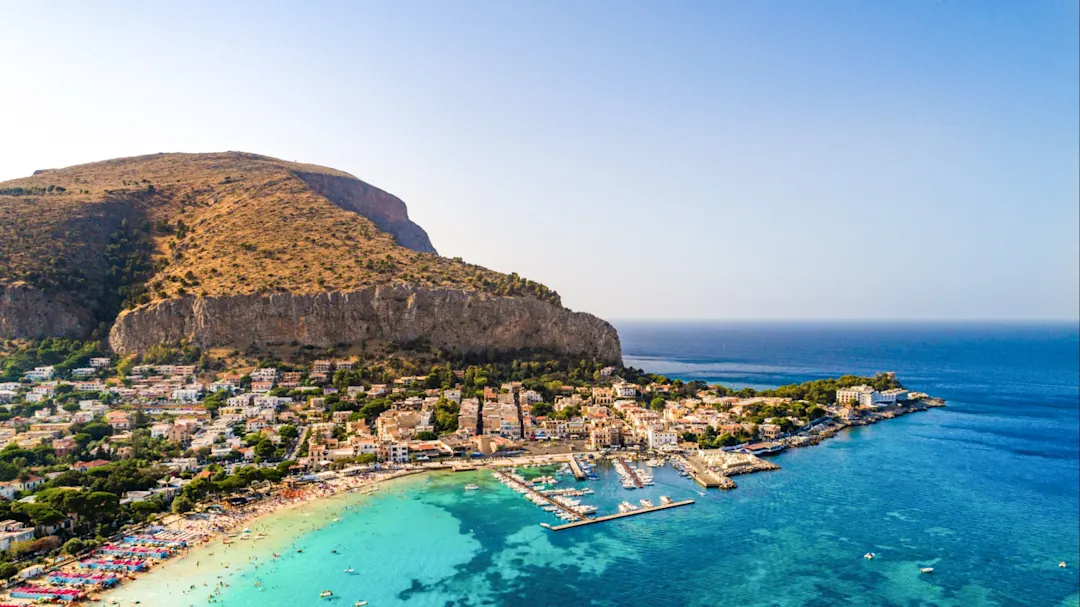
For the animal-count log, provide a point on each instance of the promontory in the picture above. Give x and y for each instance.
(235, 249)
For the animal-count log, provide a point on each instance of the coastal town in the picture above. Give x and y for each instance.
(110, 467)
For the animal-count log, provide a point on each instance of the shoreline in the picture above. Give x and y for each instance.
(205, 527)
(224, 525)
(316, 494)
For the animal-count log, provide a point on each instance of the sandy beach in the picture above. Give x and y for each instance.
(223, 527)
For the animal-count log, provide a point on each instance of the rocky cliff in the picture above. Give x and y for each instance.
(232, 248)
(454, 321)
(29, 313)
(385, 210)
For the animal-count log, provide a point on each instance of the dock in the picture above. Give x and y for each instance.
(630, 472)
(611, 517)
(705, 477)
(528, 488)
(575, 467)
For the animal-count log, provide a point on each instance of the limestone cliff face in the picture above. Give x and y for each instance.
(29, 313)
(385, 210)
(455, 321)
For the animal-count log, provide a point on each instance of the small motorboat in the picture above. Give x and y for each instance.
(472, 487)
(1061, 564)
(350, 570)
(926, 569)
(360, 603)
(869, 556)
(325, 594)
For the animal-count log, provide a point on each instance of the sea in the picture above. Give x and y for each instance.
(986, 491)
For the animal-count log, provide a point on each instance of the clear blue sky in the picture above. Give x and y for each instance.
(681, 160)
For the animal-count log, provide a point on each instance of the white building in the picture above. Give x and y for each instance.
(99, 362)
(624, 390)
(187, 395)
(863, 395)
(662, 438)
(390, 451)
(892, 396)
(40, 373)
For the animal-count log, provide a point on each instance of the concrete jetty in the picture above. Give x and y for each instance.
(575, 467)
(705, 477)
(611, 517)
(630, 472)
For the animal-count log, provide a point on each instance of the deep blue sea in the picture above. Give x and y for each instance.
(986, 491)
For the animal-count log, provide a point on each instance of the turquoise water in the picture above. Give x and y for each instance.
(985, 491)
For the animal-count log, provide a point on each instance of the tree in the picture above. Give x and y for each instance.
(288, 432)
(542, 409)
(181, 505)
(657, 404)
(73, 546)
(426, 436)
(97, 430)
(264, 449)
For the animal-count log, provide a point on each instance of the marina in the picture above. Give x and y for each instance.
(564, 507)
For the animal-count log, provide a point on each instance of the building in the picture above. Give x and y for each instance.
(659, 439)
(863, 395)
(603, 436)
(624, 389)
(770, 431)
(394, 452)
(97, 363)
(892, 396)
(40, 374)
(119, 420)
(14, 531)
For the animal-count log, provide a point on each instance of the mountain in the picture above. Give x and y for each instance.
(234, 249)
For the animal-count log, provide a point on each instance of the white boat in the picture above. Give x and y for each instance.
(627, 507)
(360, 603)
(646, 504)
(472, 487)
(869, 556)
(350, 570)
(325, 594)
(926, 569)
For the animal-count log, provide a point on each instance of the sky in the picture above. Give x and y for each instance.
(689, 160)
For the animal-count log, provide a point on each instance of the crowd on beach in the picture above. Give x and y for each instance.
(88, 577)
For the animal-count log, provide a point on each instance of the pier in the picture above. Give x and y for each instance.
(611, 517)
(705, 477)
(630, 472)
(531, 491)
(575, 467)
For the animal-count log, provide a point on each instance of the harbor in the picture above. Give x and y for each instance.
(560, 501)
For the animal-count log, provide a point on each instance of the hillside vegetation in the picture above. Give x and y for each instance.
(125, 232)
